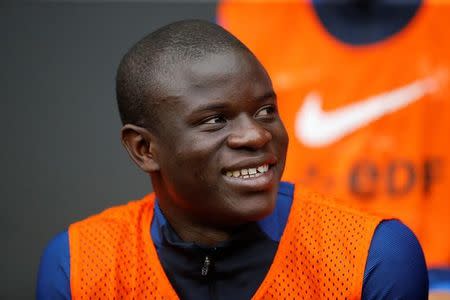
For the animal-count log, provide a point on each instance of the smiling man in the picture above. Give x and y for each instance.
(200, 117)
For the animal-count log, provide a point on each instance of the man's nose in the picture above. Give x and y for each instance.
(248, 133)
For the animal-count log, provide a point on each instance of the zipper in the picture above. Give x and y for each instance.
(205, 267)
(208, 275)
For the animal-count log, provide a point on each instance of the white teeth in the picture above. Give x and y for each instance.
(248, 173)
(252, 171)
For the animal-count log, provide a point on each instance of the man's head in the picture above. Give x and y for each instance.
(144, 71)
(200, 117)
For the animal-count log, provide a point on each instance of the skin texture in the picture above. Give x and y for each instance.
(439, 296)
(219, 115)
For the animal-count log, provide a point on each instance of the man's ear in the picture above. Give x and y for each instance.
(140, 144)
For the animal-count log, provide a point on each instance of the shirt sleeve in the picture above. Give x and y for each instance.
(54, 270)
(439, 279)
(395, 267)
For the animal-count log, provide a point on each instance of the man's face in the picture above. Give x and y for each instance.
(221, 146)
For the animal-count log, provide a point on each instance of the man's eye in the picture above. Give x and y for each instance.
(265, 111)
(215, 120)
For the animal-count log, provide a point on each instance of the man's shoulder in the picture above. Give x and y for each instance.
(54, 269)
(308, 199)
(396, 264)
(116, 213)
(381, 242)
(116, 226)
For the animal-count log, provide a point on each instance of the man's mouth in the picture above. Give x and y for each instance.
(248, 172)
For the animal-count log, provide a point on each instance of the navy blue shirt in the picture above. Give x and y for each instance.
(395, 266)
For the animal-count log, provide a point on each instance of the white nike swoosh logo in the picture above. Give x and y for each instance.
(316, 128)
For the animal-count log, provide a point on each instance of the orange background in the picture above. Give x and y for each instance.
(398, 163)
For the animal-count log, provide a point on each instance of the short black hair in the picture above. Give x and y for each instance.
(138, 89)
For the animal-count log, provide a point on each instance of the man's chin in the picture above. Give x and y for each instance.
(256, 207)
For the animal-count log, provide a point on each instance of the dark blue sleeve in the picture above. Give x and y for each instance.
(54, 270)
(439, 279)
(395, 267)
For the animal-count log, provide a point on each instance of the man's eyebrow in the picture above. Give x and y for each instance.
(222, 106)
(267, 95)
(211, 106)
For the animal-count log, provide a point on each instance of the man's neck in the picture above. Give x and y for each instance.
(197, 233)
(186, 226)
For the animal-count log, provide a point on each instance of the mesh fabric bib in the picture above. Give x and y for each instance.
(322, 253)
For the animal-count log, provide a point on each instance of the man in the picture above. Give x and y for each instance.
(200, 117)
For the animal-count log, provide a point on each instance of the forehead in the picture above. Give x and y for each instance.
(218, 69)
(228, 76)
